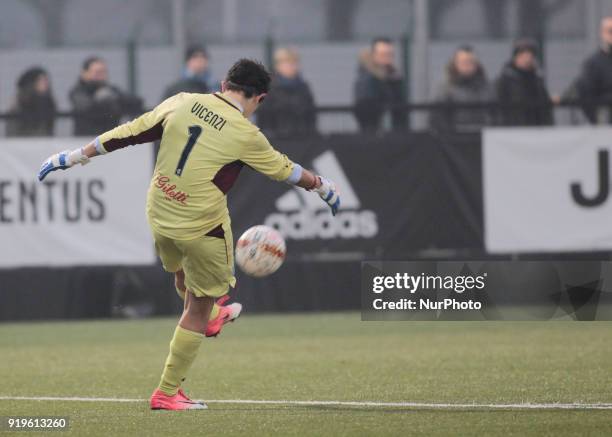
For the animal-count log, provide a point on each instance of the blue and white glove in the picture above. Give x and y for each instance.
(327, 191)
(62, 161)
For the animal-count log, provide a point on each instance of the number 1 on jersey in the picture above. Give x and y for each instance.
(194, 133)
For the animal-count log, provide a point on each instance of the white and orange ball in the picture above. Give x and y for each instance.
(260, 251)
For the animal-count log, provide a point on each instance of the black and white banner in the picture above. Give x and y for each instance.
(547, 190)
(88, 215)
(394, 191)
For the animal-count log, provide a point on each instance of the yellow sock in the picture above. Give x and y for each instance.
(183, 350)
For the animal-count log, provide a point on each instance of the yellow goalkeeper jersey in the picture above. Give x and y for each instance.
(205, 142)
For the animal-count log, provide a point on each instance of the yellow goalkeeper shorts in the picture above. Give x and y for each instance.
(208, 261)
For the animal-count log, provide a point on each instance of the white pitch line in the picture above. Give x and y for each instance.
(415, 405)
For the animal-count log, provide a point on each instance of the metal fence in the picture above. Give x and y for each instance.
(340, 119)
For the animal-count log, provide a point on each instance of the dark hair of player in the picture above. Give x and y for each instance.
(92, 59)
(248, 77)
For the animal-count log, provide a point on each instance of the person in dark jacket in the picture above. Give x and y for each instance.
(99, 106)
(34, 107)
(289, 108)
(466, 82)
(595, 80)
(520, 83)
(379, 87)
(196, 77)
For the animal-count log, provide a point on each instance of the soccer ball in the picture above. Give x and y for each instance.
(260, 251)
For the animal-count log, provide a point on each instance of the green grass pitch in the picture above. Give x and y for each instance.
(326, 357)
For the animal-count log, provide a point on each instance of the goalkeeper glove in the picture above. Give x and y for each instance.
(62, 161)
(328, 192)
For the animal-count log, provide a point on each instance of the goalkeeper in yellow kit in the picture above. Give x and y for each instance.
(206, 139)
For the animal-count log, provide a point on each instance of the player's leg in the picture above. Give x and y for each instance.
(179, 283)
(172, 259)
(196, 313)
(181, 289)
(172, 256)
(209, 270)
(183, 351)
(207, 274)
(185, 341)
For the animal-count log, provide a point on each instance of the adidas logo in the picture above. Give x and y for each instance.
(302, 215)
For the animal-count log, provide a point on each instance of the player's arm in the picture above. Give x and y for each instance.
(261, 156)
(144, 129)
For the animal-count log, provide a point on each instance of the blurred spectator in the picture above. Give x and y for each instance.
(379, 87)
(466, 82)
(521, 83)
(34, 106)
(289, 108)
(196, 76)
(98, 105)
(595, 81)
